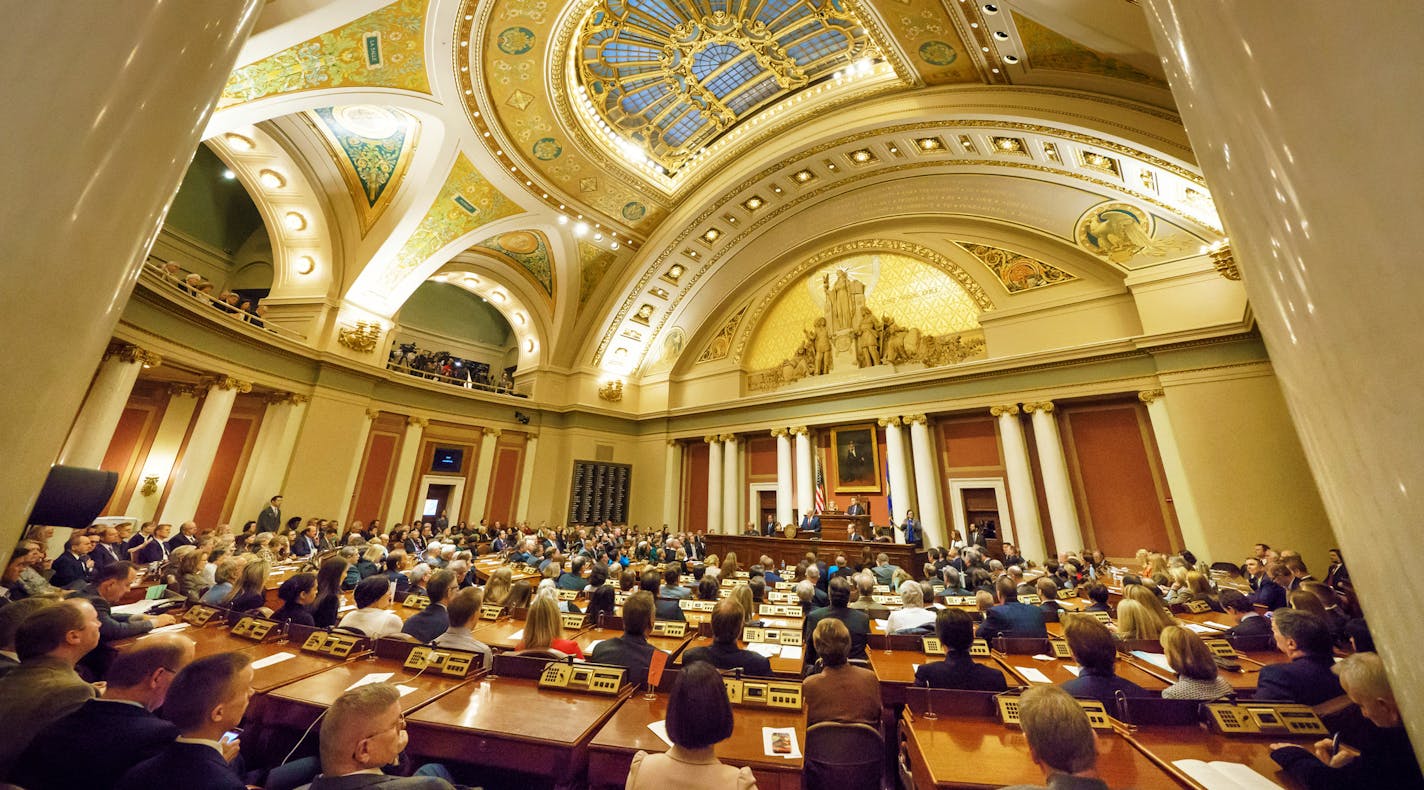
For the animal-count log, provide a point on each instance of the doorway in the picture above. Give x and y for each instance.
(439, 494)
(982, 501)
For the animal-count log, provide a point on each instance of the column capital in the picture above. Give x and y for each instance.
(1008, 409)
(799, 430)
(176, 390)
(1224, 261)
(414, 421)
(372, 414)
(128, 352)
(711, 438)
(227, 383)
(673, 443)
(779, 432)
(1147, 396)
(1044, 406)
(728, 438)
(495, 432)
(886, 422)
(275, 398)
(915, 419)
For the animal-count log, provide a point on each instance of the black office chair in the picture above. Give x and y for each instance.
(843, 757)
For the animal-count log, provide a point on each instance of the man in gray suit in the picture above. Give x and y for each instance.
(45, 688)
(362, 732)
(271, 516)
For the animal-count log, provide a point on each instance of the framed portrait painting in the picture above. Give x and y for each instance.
(855, 459)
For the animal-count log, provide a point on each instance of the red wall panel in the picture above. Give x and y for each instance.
(761, 457)
(694, 510)
(226, 473)
(376, 477)
(971, 443)
(1120, 493)
(504, 483)
(126, 451)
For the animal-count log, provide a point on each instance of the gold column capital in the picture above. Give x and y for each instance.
(1224, 260)
(915, 419)
(728, 438)
(799, 430)
(420, 421)
(1147, 396)
(277, 398)
(128, 352)
(1043, 406)
(779, 432)
(495, 432)
(1006, 409)
(372, 414)
(886, 422)
(711, 438)
(176, 390)
(227, 383)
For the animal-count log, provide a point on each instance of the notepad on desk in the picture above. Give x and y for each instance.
(1198, 628)
(1032, 675)
(659, 729)
(792, 652)
(375, 677)
(1156, 659)
(1222, 775)
(765, 650)
(275, 658)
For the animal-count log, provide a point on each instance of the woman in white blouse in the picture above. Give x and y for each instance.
(912, 612)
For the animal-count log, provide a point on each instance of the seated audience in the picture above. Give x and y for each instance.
(155, 549)
(1047, 591)
(1098, 594)
(912, 614)
(326, 610)
(207, 699)
(364, 732)
(856, 622)
(373, 617)
(192, 579)
(1384, 756)
(1197, 674)
(1306, 678)
(667, 608)
(724, 652)
(297, 594)
(1009, 618)
(1273, 589)
(109, 588)
(118, 729)
(1095, 650)
(251, 590)
(884, 571)
(73, 566)
(600, 602)
(1135, 621)
(498, 586)
(955, 629)
(698, 718)
(1060, 740)
(1249, 622)
(464, 614)
(44, 688)
(543, 630)
(11, 615)
(841, 691)
(433, 620)
(631, 650)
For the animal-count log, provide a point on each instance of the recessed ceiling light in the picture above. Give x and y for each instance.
(306, 264)
(295, 221)
(990, 8)
(228, 175)
(239, 142)
(1011, 58)
(271, 179)
(1001, 35)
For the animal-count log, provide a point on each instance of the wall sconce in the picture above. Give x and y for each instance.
(150, 485)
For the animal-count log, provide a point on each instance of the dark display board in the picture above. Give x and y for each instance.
(599, 492)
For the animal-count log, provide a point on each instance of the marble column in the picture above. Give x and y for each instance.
(191, 474)
(108, 395)
(1183, 501)
(714, 483)
(930, 510)
(526, 479)
(89, 194)
(784, 476)
(406, 459)
(672, 485)
(353, 470)
(1057, 489)
(805, 474)
(731, 485)
(1334, 292)
(1023, 498)
(899, 475)
(484, 473)
(271, 454)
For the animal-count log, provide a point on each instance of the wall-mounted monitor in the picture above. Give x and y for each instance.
(448, 459)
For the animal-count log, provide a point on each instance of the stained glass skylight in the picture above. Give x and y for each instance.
(668, 77)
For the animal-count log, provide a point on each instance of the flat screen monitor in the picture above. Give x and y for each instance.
(447, 459)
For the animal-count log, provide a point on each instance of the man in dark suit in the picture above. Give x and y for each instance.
(73, 567)
(856, 508)
(1305, 679)
(1239, 608)
(156, 549)
(666, 608)
(1010, 618)
(631, 650)
(810, 523)
(109, 549)
(145, 531)
(856, 621)
(118, 730)
(108, 588)
(955, 629)
(363, 732)
(769, 574)
(1254, 572)
(1095, 650)
(187, 536)
(432, 621)
(305, 544)
(724, 653)
(572, 579)
(271, 516)
(204, 701)
(1273, 592)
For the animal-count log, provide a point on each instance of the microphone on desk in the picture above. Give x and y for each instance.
(1121, 700)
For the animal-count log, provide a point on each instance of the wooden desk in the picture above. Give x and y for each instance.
(509, 723)
(781, 667)
(671, 645)
(300, 665)
(790, 551)
(297, 704)
(626, 732)
(976, 752)
(1057, 672)
(503, 634)
(895, 669)
(208, 640)
(1169, 744)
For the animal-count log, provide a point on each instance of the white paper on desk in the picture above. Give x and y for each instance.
(915, 668)
(1215, 624)
(883, 624)
(517, 635)
(1074, 668)
(768, 732)
(275, 658)
(595, 643)
(659, 729)
(1222, 775)
(1032, 675)
(1043, 657)
(377, 677)
(171, 629)
(1156, 659)
(792, 652)
(765, 650)
(1198, 628)
(137, 607)
(404, 690)
(769, 623)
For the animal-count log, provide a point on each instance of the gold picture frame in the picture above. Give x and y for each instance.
(854, 470)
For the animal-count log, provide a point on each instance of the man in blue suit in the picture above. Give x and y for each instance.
(810, 522)
(74, 565)
(1273, 592)
(912, 528)
(1307, 678)
(1010, 618)
(430, 623)
(205, 700)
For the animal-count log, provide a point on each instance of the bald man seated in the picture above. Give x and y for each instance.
(362, 733)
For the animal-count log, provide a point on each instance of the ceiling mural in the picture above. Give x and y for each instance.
(594, 262)
(926, 30)
(1017, 273)
(528, 250)
(385, 48)
(372, 147)
(1048, 49)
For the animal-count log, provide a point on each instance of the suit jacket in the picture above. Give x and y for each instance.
(183, 766)
(116, 737)
(668, 609)
(1306, 680)
(38, 692)
(855, 510)
(810, 524)
(105, 555)
(571, 581)
(730, 657)
(1272, 595)
(152, 552)
(847, 694)
(360, 781)
(1103, 686)
(628, 651)
(1012, 620)
(428, 623)
(269, 519)
(1256, 625)
(181, 540)
(69, 569)
(959, 671)
(113, 627)
(856, 621)
(1386, 760)
(912, 532)
(303, 546)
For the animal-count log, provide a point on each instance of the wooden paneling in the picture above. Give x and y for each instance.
(694, 512)
(377, 475)
(128, 449)
(229, 462)
(761, 459)
(504, 482)
(1121, 499)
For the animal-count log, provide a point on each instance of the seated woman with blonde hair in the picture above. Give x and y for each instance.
(1197, 675)
(543, 631)
(1135, 621)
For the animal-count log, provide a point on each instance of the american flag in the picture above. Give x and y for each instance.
(820, 487)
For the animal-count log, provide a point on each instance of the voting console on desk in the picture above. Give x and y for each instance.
(591, 678)
(771, 636)
(762, 693)
(323, 641)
